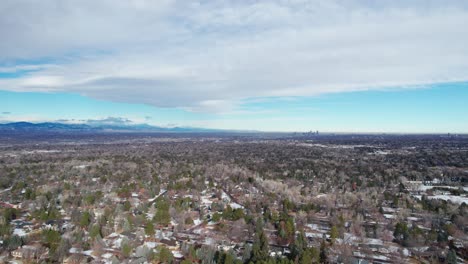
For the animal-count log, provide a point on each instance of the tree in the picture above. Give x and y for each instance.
(95, 231)
(165, 255)
(188, 221)
(10, 214)
(247, 254)
(206, 254)
(162, 215)
(233, 214)
(85, 219)
(29, 194)
(188, 250)
(5, 229)
(310, 255)
(216, 217)
(127, 206)
(334, 233)
(51, 239)
(62, 250)
(286, 229)
(401, 232)
(13, 242)
(452, 257)
(229, 259)
(260, 248)
(126, 248)
(323, 252)
(299, 246)
(226, 258)
(149, 229)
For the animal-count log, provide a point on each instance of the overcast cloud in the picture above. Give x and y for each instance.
(209, 56)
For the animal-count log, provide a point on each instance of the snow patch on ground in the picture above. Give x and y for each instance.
(313, 226)
(19, 232)
(205, 200)
(150, 244)
(429, 187)
(224, 196)
(236, 206)
(452, 198)
(389, 216)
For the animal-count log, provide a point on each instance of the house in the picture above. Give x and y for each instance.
(35, 251)
(77, 259)
(17, 253)
(412, 186)
(431, 182)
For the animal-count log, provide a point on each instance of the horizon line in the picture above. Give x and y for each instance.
(313, 131)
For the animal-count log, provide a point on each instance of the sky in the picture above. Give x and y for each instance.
(337, 66)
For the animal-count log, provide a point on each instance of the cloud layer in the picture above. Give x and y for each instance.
(209, 56)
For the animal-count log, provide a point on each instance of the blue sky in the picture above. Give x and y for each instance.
(328, 65)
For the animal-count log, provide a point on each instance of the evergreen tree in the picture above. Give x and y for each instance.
(126, 249)
(62, 250)
(165, 255)
(323, 252)
(247, 254)
(162, 215)
(10, 214)
(401, 232)
(206, 254)
(95, 231)
(286, 229)
(127, 206)
(299, 246)
(51, 239)
(228, 259)
(452, 257)
(334, 234)
(149, 229)
(13, 242)
(260, 248)
(310, 255)
(85, 219)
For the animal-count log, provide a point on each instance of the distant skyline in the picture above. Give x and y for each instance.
(334, 66)
(440, 108)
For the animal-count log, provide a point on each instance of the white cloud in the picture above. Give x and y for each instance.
(20, 68)
(208, 56)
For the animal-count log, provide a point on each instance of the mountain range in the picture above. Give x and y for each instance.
(56, 126)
